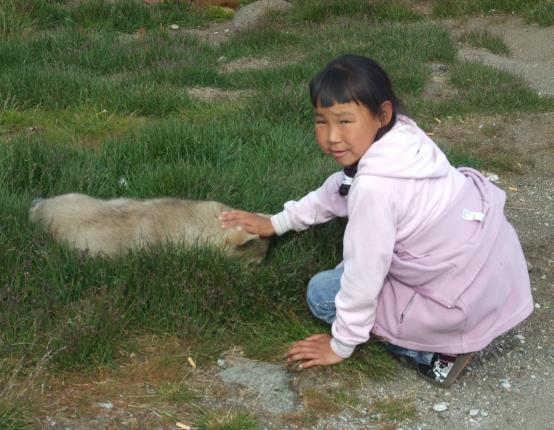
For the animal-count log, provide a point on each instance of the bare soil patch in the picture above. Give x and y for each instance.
(531, 48)
(210, 93)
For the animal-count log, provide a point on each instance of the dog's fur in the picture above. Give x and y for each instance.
(113, 227)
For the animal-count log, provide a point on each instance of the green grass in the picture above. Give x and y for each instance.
(127, 16)
(13, 417)
(227, 420)
(84, 102)
(177, 393)
(539, 11)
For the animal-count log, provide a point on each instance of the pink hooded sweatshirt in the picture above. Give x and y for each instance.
(430, 261)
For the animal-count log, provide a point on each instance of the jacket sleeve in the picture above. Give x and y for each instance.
(317, 207)
(369, 241)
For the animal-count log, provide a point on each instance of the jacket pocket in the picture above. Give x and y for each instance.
(404, 313)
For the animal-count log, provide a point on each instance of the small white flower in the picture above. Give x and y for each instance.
(122, 182)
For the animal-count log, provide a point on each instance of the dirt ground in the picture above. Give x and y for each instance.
(510, 385)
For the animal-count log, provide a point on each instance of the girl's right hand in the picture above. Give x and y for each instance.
(251, 222)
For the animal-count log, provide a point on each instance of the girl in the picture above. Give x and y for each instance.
(431, 264)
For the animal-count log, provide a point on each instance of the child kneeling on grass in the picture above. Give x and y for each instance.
(431, 265)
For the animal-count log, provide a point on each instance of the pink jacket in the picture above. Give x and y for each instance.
(430, 261)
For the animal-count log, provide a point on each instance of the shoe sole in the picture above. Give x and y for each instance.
(462, 360)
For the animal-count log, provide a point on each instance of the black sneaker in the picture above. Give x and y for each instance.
(445, 369)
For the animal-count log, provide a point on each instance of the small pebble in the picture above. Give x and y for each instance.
(504, 383)
(493, 177)
(440, 407)
(221, 362)
(106, 405)
(484, 414)
(537, 306)
(174, 27)
(473, 412)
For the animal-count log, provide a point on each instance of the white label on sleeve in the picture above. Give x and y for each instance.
(473, 216)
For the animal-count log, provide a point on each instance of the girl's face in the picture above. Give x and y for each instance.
(345, 131)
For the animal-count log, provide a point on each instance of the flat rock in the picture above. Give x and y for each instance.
(268, 384)
(252, 14)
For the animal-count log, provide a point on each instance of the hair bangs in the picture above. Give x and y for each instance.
(333, 85)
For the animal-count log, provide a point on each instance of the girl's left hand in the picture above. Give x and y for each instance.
(314, 350)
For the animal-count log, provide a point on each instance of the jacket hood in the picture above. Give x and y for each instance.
(404, 152)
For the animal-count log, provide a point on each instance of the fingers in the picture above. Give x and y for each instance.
(316, 336)
(310, 363)
(234, 218)
(304, 350)
(315, 350)
(251, 222)
(234, 215)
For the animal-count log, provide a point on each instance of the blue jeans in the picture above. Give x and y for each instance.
(323, 288)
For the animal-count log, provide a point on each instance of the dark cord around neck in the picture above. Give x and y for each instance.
(350, 171)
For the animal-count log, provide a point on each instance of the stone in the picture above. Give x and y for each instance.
(252, 14)
(268, 384)
(504, 383)
(439, 67)
(440, 407)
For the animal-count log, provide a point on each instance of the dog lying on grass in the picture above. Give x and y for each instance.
(114, 227)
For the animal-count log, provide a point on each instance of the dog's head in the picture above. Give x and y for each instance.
(35, 210)
(245, 245)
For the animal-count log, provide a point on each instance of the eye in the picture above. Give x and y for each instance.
(345, 121)
(320, 121)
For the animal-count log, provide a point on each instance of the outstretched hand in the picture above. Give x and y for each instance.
(250, 222)
(315, 350)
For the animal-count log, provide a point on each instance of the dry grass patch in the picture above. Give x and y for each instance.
(153, 385)
(211, 94)
(391, 412)
(249, 63)
(493, 140)
(438, 86)
(86, 128)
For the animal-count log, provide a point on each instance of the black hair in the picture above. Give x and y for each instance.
(358, 79)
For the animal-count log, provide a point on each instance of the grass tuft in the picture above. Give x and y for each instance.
(227, 420)
(484, 39)
(393, 410)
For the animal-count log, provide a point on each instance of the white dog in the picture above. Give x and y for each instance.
(113, 227)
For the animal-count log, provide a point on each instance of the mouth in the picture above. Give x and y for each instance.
(337, 154)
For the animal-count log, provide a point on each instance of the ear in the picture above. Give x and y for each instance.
(385, 114)
(239, 237)
(248, 239)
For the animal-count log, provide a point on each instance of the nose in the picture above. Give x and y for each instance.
(333, 135)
